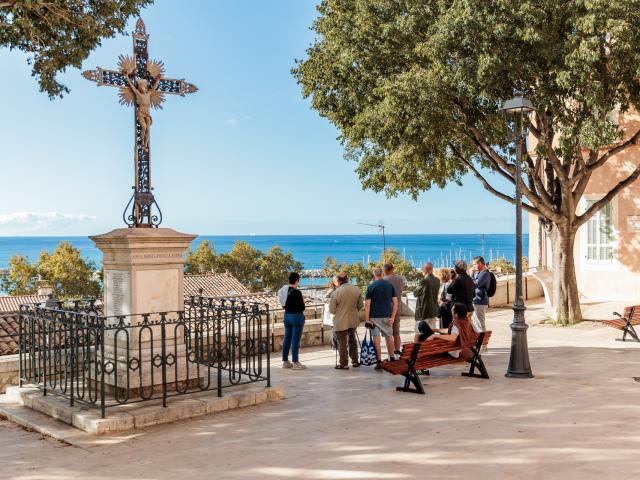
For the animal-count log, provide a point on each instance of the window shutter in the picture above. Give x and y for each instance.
(599, 235)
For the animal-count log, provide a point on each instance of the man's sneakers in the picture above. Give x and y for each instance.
(397, 354)
(378, 365)
(287, 364)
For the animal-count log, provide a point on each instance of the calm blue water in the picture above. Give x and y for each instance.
(311, 250)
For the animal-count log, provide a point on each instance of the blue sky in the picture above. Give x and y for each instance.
(245, 154)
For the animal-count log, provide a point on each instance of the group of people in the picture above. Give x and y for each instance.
(438, 292)
(450, 304)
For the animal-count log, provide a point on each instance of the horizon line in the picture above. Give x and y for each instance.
(278, 235)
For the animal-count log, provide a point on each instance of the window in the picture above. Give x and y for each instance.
(600, 235)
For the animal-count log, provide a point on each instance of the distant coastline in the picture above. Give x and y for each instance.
(311, 250)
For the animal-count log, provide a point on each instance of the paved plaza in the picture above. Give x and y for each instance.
(577, 419)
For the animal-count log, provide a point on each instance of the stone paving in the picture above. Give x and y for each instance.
(578, 418)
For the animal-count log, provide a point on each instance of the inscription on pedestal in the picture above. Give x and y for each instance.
(118, 292)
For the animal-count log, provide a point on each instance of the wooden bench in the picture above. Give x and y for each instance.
(626, 322)
(417, 357)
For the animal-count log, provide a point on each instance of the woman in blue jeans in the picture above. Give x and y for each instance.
(293, 324)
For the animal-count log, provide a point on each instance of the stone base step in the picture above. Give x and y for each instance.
(127, 417)
(45, 425)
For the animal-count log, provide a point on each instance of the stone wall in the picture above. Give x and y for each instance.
(313, 335)
(506, 289)
(8, 372)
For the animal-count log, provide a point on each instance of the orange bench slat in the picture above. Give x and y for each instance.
(620, 323)
(433, 353)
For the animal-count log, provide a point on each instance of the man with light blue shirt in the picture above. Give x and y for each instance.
(380, 307)
(481, 281)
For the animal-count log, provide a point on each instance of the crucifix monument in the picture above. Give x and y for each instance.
(143, 264)
(142, 85)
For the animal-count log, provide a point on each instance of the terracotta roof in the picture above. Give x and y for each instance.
(8, 334)
(213, 285)
(11, 303)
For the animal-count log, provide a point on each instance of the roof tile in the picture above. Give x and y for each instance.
(213, 285)
(11, 303)
(8, 334)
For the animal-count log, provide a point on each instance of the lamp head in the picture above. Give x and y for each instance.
(518, 104)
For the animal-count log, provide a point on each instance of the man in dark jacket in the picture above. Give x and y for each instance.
(427, 299)
(462, 288)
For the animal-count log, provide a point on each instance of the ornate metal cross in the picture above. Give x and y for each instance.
(142, 84)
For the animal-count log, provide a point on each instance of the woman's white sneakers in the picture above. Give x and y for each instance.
(298, 366)
(287, 365)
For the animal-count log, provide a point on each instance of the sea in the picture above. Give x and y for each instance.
(311, 250)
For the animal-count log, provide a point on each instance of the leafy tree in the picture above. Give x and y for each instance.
(503, 265)
(57, 34)
(275, 267)
(400, 265)
(201, 260)
(68, 274)
(361, 273)
(415, 89)
(330, 267)
(21, 277)
(243, 262)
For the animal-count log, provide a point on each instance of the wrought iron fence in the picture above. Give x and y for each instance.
(102, 362)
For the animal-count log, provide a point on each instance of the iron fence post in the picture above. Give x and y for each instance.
(268, 350)
(32, 348)
(20, 347)
(102, 399)
(163, 337)
(218, 327)
(73, 357)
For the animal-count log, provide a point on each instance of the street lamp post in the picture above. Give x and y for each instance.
(519, 365)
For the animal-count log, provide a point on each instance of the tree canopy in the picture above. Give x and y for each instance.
(275, 267)
(21, 277)
(363, 274)
(415, 89)
(56, 34)
(252, 267)
(64, 270)
(201, 260)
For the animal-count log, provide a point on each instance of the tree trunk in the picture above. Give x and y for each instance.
(566, 302)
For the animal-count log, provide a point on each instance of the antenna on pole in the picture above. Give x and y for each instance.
(382, 228)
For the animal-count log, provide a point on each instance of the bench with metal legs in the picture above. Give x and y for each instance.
(626, 322)
(422, 356)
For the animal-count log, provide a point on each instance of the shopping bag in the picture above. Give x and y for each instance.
(327, 318)
(368, 350)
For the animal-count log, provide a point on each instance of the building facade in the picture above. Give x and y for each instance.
(607, 247)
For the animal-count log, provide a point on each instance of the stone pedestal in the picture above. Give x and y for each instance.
(143, 270)
(143, 274)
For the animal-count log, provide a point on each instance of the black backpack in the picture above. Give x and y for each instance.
(493, 284)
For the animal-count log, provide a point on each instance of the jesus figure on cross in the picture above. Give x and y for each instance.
(143, 101)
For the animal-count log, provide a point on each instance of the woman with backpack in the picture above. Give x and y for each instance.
(293, 322)
(484, 284)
